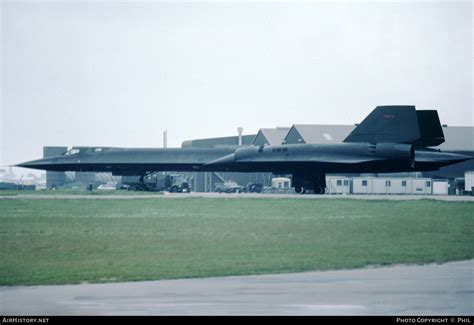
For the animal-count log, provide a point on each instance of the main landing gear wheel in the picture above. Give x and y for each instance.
(300, 190)
(319, 190)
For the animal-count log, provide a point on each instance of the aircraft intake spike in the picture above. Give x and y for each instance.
(228, 159)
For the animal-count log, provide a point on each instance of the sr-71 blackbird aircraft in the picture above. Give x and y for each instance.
(390, 139)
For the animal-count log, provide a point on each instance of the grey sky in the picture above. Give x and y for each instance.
(119, 73)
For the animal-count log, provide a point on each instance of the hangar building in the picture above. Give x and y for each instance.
(270, 137)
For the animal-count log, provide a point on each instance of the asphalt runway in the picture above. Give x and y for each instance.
(118, 196)
(446, 289)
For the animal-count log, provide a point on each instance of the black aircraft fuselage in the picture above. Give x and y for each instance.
(390, 139)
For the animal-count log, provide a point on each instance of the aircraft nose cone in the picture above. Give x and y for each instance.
(35, 164)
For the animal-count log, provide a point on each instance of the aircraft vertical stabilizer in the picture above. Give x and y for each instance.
(399, 124)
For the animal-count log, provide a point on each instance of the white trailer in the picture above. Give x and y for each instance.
(338, 185)
(440, 187)
(281, 182)
(393, 185)
(398, 185)
(421, 186)
(362, 185)
(469, 181)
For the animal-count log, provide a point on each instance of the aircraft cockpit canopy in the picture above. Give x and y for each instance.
(77, 150)
(73, 151)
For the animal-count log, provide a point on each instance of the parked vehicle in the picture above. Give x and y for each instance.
(109, 186)
(228, 187)
(254, 188)
(175, 183)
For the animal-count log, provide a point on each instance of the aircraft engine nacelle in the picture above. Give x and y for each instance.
(396, 151)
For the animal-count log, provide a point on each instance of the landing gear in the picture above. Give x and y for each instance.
(320, 184)
(304, 183)
(319, 190)
(141, 184)
(300, 190)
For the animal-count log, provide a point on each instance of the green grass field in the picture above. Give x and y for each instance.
(71, 241)
(95, 192)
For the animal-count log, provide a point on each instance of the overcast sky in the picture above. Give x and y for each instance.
(119, 73)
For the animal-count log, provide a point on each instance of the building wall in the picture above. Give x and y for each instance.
(218, 142)
(54, 179)
(95, 178)
(205, 181)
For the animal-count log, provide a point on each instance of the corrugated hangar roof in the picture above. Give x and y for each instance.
(218, 142)
(317, 134)
(270, 137)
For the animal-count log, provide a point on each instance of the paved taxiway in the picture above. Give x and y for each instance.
(118, 196)
(446, 289)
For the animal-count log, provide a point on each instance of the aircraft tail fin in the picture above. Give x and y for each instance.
(431, 132)
(399, 124)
